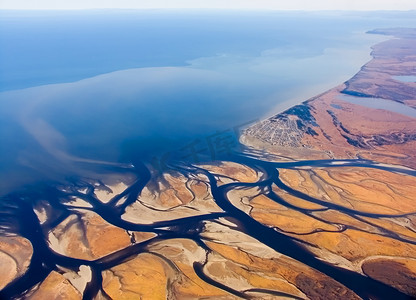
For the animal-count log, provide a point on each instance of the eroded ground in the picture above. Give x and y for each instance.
(326, 211)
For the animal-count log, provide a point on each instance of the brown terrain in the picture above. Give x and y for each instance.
(351, 222)
(326, 126)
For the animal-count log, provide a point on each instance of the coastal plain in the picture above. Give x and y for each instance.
(353, 217)
(321, 206)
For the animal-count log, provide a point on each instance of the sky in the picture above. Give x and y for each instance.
(214, 4)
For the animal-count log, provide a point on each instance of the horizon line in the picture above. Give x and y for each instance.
(208, 9)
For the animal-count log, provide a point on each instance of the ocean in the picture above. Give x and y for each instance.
(124, 85)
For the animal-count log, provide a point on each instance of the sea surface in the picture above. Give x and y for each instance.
(126, 85)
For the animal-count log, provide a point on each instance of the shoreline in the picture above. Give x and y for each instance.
(315, 228)
(341, 129)
(323, 88)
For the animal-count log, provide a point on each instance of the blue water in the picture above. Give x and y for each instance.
(58, 46)
(109, 85)
(380, 103)
(409, 78)
(83, 91)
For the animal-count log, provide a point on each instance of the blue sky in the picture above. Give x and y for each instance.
(214, 4)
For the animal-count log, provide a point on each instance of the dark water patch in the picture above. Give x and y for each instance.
(46, 260)
(356, 94)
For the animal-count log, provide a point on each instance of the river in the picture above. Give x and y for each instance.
(21, 219)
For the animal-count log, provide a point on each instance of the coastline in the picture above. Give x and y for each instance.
(328, 214)
(338, 128)
(364, 56)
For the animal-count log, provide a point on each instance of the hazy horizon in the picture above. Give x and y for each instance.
(370, 5)
(101, 85)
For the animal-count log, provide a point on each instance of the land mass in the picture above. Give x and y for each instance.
(330, 126)
(319, 206)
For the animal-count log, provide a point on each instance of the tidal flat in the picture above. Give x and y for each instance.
(162, 178)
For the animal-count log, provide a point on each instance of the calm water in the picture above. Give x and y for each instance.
(409, 78)
(380, 103)
(110, 85)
